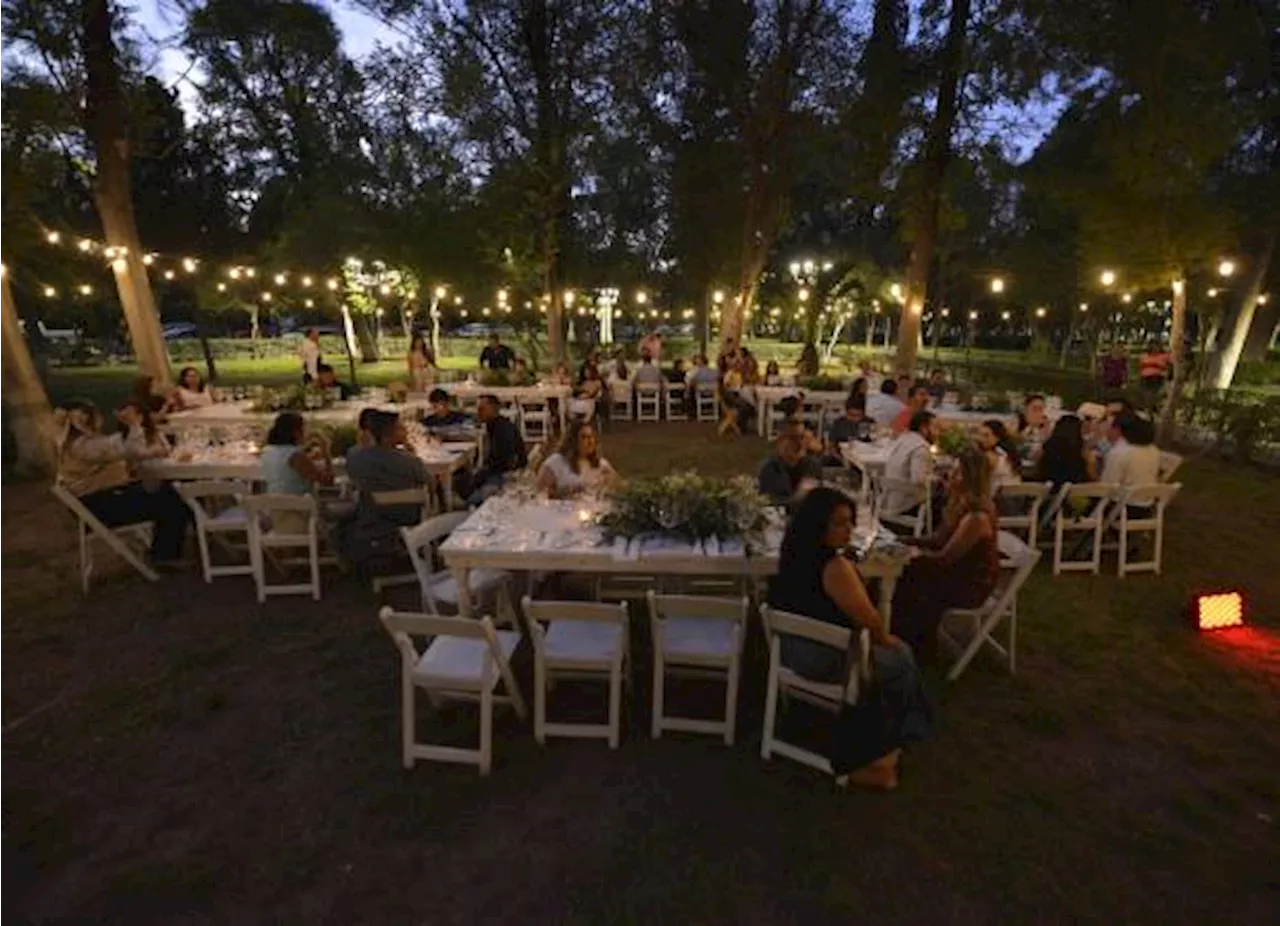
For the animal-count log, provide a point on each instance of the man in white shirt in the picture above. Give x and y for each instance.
(911, 460)
(310, 354)
(883, 406)
(1133, 459)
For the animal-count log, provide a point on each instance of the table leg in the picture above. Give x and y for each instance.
(462, 576)
(448, 490)
(762, 411)
(564, 413)
(887, 585)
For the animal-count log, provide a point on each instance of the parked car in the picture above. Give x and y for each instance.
(177, 331)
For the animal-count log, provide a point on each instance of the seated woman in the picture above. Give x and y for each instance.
(293, 463)
(817, 581)
(772, 374)
(95, 468)
(577, 466)
(191, 392)
(1064, 457)
(958, 566)
(559, 375)
(1001, 451)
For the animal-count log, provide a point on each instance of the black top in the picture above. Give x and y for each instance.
(450, 419)
(504, 447)
(1056, 468)
(779, 482)
(497, 357)
(800, 590)
(842, 430)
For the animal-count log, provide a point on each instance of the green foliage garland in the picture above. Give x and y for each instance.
(687, 505)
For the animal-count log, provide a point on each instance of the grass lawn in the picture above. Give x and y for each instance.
(178, 753)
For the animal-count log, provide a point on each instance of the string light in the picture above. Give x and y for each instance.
(306, 281)
(50, 292)
(997, 285)
(279, 278)
(189, 264)
(309, 303)
(169, 274)
(266, 296)
(973, 316)
(86, 290)
(148, 259)
(331, 283)
(234, 273)
(222, 287)
(1107, 277)
(119, 265)
(1041, 312)
(85, 245)
(440, 293)
(1226, 268)
(1005, 315)
(53, 237)
(1084, 307)
(384, 289)
(250, 272)
(1127, 298)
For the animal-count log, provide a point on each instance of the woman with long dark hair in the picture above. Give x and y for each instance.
(815, 580)
(191, 391)
(1002, 452)
(422, 364)
(1064, 457)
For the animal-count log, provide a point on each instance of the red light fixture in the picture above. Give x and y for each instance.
(1218, 610)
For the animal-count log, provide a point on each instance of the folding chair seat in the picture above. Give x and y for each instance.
(266, 539)
(463, 660)
(648, 401)
(783, 682)
(979, 624)
(581, 640)
(696, 636)
(129, 541)
(216, 521)
(706, 402)
(424, 499)
(1082, 511)
(487, 587)
(1025, 498)
(1140, 510)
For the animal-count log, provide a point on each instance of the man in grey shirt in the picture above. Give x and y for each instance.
(386, 467)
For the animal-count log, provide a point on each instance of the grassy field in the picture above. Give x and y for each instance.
(178, 753)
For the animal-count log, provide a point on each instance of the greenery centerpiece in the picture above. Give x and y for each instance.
(297, 398)
(822, 384)
(689, 506)
(953, 440)
(495, 378)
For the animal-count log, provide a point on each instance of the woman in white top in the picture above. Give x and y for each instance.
(577, 466)
(422, 365)
(191, 392)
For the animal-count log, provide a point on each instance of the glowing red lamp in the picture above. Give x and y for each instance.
(1218, 610)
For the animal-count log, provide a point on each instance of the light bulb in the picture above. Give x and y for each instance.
(440, 292)
(331, 283)
(53, 237)
(189, 264)
(306, 281)
(85, 244)
(1226, 268)
(169, 274)
(50, 292)
(997, 285)
(1107, 277)
(222, 287)
(279, 278)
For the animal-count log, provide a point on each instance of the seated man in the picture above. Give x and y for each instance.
(442, 414)
(911, 460)
(883, 406)
(852, 426)
(648, 372)
(702, 373)
(794, 423)
(1133, 459)
(504, 452)
(327, 381)
(937, 385)
(372, 536)
(789, 472)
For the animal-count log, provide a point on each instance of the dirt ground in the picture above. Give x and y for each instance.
(179, 754)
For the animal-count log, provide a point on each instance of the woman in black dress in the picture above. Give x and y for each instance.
(817, 581)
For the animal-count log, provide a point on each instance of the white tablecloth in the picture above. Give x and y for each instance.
(561, 536)
(240, 415)
(238, 461)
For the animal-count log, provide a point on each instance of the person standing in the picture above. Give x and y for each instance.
(422, 364)
(496, 355)
(1113, 369)
(1153, 369)
(309, 353)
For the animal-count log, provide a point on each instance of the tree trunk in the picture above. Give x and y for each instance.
(937, 152)
(107, 125)
(211, 368)
(1223, 369)
(349, 340)
(365, 339)
(1168, 428)
(1263, 330)
(27, 413)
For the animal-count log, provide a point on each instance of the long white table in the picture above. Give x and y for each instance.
(561, 536)
(239, 414)
(242, 463)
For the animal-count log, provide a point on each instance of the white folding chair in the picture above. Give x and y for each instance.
(621, 400)
(673, 397)
(980, 623)
(1169, 463)
(1083, 510)
(1027, 497)
(215, 521)
(706, 402)
(697, 636)
(582, 639)
(811, 413)
(773, 419)
(535, 420)
(464, 660)
(424, 499)
(439, 587)
(648, 402)
(265, 540)
(1150, 502)
(128, 541)
(895, 499)
(784, 682)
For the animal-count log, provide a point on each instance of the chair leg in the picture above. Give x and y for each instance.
(770, 710)
(731, 702)
(408, 719)
(314, 551)
(539, 699)
(659, 694)
(615, 704)
(202, 540)
(86, 559)
(486, 731)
